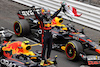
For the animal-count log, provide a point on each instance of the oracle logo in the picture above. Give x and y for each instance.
(8, 64)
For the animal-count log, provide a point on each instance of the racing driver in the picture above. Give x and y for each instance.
(46, 37)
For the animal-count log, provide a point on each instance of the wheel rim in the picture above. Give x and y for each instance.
(70, 51)
(17, 28)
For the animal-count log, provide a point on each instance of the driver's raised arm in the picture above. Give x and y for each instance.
(56, 13)
(38, 16)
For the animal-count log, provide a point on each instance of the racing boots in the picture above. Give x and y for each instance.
(42, 62)
(48, 60)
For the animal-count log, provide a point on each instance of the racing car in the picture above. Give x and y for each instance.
(5, 35)
(65, 37)
(15, 53)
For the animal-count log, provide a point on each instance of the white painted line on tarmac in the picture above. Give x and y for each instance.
(11, 31)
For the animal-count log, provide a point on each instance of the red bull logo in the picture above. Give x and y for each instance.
(14, 46)
(17, 47)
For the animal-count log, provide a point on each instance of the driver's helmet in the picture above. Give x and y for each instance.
(46, 13)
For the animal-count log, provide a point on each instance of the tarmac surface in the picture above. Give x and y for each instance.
(8, 15)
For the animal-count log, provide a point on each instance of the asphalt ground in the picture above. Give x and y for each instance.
(8, 15)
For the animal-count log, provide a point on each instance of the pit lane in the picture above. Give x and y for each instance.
(8, 15)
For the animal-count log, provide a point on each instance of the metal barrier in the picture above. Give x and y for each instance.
(91, 2)
(90, 14)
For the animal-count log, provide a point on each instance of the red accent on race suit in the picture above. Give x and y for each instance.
(42, 43)
(45, 28)
(41, 23)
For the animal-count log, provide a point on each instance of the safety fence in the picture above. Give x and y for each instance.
(91, 2)
(90, 14)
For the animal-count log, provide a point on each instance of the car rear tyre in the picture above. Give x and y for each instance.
(21, 27)
(72, 50)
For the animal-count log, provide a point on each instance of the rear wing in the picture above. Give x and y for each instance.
(27, 13)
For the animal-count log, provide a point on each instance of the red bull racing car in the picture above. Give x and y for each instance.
(65, 37)
(18, 54)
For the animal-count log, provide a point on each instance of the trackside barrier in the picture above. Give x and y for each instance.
(90, 14)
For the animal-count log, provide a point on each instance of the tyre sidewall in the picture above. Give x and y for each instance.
(24, 27)
(77, 47)
(18, 34)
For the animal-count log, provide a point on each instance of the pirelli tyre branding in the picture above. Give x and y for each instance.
(8, 64)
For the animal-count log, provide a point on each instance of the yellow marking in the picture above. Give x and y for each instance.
(38, 22)
(25, 41)
(27, 62)
(83, 27)
(63, 48)
(64, 29)
(72, 44)
(47, 25)
(35, 44)
(56, 56)
(96, 57)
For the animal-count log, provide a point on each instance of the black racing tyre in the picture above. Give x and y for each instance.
(21, 27)
(72, 50)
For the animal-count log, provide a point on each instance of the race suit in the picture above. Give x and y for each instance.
(46, 36)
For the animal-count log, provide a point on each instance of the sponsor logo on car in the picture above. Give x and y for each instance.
(8, 63)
